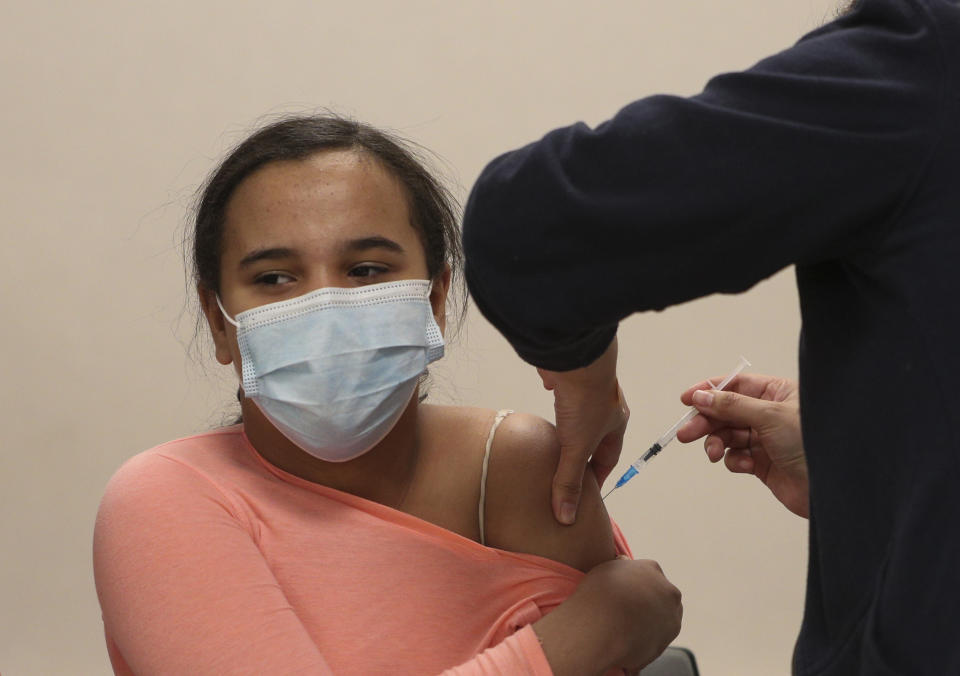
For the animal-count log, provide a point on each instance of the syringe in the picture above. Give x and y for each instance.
(671, 433)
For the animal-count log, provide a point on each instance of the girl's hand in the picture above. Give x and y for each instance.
(623, 614)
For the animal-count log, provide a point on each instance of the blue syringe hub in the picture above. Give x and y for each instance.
(632, 471)
(629, 474)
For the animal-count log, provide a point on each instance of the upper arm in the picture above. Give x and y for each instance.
(519, 516)
(182, 585)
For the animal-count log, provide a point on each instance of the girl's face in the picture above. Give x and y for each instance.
(334, 219)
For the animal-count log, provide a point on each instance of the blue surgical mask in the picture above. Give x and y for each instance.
(334, 369)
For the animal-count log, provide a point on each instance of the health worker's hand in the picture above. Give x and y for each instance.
(756, 419)
(591, 416)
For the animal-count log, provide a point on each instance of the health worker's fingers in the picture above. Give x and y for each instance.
(714, 447)
(568, 481)
(709, 384)
(734, 437)
(747, 384)
(739, 461)
(590, 415)
(701, 425)
(716, 444)
(606, 457)
(697, 427)
(731, 408)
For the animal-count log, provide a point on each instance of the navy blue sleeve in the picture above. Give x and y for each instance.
(797, 160)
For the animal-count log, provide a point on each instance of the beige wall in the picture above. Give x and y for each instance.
(113, 111)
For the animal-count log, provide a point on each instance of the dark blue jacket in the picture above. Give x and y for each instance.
(841, 156)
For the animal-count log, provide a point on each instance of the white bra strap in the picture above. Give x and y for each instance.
(486, 463)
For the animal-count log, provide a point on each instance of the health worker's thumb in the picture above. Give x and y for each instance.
(732, 408)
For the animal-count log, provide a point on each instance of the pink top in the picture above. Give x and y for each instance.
(210, 560)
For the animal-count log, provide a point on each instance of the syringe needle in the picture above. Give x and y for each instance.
(671, 433)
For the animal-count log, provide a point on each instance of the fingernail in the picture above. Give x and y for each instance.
(703, 397)
(568, 513)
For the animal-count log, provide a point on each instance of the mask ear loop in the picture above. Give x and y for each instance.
(226, 315)
(241, 391)
(435, 342)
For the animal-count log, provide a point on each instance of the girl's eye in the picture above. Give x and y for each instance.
(274, 278)
(366, 270)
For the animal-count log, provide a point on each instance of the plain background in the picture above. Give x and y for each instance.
(112, 114)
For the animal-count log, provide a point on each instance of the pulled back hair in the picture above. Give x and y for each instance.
(433, 210)
(847, 7)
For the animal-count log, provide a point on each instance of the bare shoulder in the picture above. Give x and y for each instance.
(447, 489)
(519, 517)
(462, 430)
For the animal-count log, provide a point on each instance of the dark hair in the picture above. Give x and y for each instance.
(433, 210)
(847, 7)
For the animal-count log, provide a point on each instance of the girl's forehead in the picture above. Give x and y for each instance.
(332, 194)
(324, 178)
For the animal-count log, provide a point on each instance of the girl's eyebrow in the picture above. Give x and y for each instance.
(266, 254)
(350, 246)
(375, 242)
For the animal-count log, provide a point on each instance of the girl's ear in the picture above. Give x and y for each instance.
(438, 297)
(220, 330)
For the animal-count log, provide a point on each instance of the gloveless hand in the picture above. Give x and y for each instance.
(591, 417)
(756, 420)
(623, 614)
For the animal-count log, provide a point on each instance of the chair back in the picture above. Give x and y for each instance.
(674, 661)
